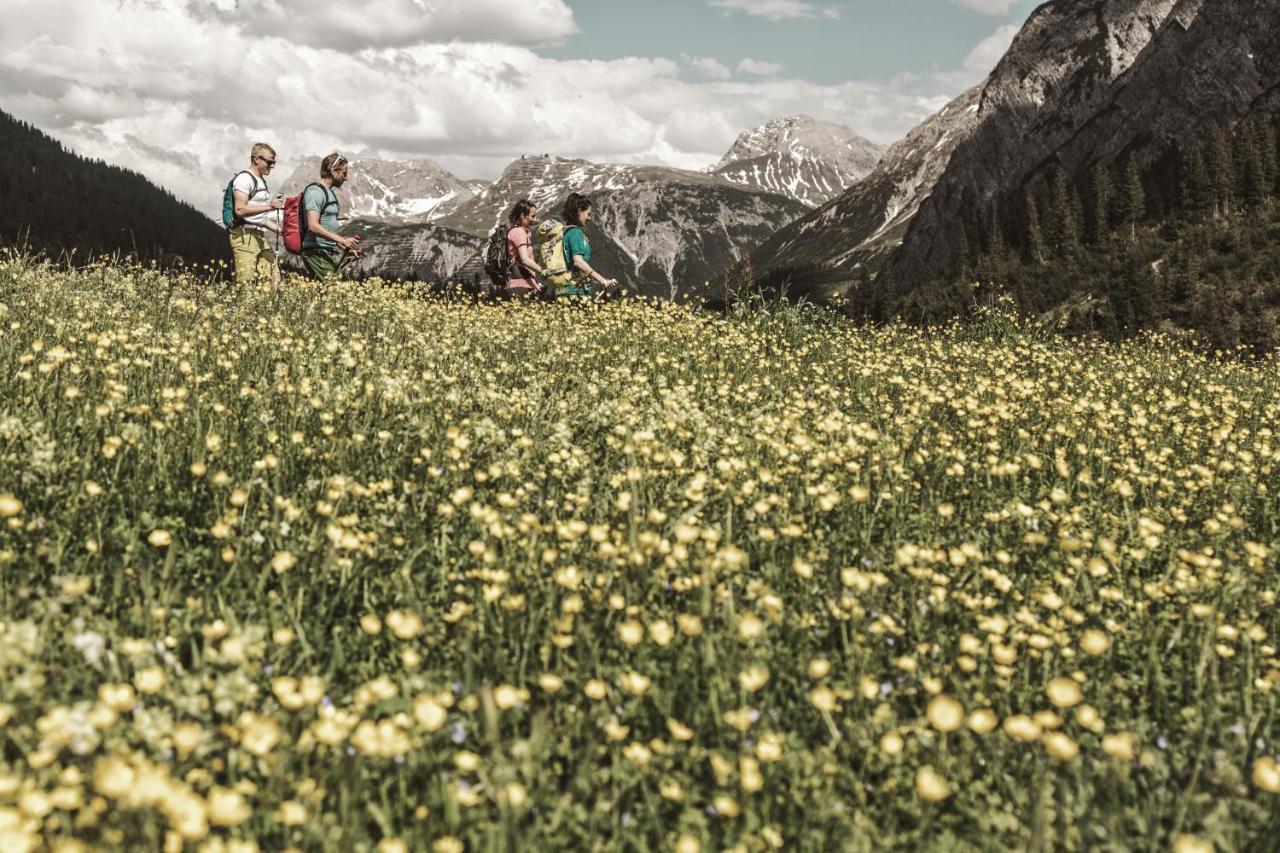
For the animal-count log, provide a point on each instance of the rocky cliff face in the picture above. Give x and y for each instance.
(421, 252)
(395, 191)
(1089, 82)
(800, 157)
(866, 222)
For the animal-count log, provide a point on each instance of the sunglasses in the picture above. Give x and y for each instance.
(265, 160)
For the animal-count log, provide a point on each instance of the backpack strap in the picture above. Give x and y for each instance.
(237, 220)
(302, 224)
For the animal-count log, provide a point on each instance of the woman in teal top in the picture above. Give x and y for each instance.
(577, 250)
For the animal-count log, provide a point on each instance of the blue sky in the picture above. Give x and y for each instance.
(870, 39)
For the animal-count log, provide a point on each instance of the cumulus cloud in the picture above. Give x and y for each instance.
(988, 52)
(988, 7)
(758, 67)
(708, 67)
(391, 23)
(778, 10)
(180, 97)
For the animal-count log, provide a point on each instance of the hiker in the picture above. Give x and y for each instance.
(253, 213)
(323, 249)
(524, 269)
(577, 250)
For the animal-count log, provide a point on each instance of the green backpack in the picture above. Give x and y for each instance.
(549, 240)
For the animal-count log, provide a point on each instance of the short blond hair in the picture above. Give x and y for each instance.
(261, 148)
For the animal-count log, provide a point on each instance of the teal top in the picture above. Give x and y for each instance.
(319, 198)
(575, 243)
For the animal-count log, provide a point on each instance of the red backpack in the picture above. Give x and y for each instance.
(294, 228)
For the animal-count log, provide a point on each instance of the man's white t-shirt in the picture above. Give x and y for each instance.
(255, 187)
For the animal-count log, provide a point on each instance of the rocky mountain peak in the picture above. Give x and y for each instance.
(398, 191)
(801, 157)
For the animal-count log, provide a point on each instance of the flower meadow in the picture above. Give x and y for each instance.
(356, 568)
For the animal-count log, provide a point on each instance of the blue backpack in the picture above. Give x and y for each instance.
(229, 218)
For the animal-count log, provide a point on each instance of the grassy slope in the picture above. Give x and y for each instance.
(613, 576)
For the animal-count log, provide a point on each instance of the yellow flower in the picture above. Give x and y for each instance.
(753, 678)
(283, 561)
(1060, 746)
(1064, 692)
(688, 844)
(824, 699)
(117, 697)
(930, 786)
(982, 721)
(891, 743)
(596, 689)
(404, 624)
(227, 807)
(160, 538)
(634, 683)
(819, 668)
(1119, 746)
(1094, 642)
(1191, 844)
(507, 696)
(292, 813)
(945, 714)
(550, 683)
(1020, 727)
(429, 714)
(631, 632)
(187, 738)
(9, 506)
(679, 730)
(149, 680)
(1266, 774)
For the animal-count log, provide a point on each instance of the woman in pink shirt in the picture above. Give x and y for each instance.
(524, 269)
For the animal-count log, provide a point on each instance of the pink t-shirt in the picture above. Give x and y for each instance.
(517, 237)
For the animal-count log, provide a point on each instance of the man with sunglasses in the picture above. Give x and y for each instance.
(323, 249)
(256, 213)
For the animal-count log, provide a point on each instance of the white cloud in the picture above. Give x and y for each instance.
(391, 23)
(778, 10)
(180, 97)
(989, 51)
(988, 7)
(708, 67)
(758, 67)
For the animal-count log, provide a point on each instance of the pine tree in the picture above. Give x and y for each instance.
(1100, 192)
(1035, 236)
(1133, 199)
(1194, 197)
(1219, 163)
(1254, 188)
(1064, 230)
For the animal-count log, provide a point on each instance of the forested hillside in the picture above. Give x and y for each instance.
(58, 202)
(1192, 241)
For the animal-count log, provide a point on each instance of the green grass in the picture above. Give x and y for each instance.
(343, 568)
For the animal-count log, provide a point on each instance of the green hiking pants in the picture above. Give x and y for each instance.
(322, 264)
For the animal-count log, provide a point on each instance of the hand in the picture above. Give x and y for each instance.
(277, 202)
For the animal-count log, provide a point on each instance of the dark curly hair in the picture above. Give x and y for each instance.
(574, 206)
(522, 209)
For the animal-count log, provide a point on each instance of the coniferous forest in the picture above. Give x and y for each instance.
(1189, 242)
(67, 206)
